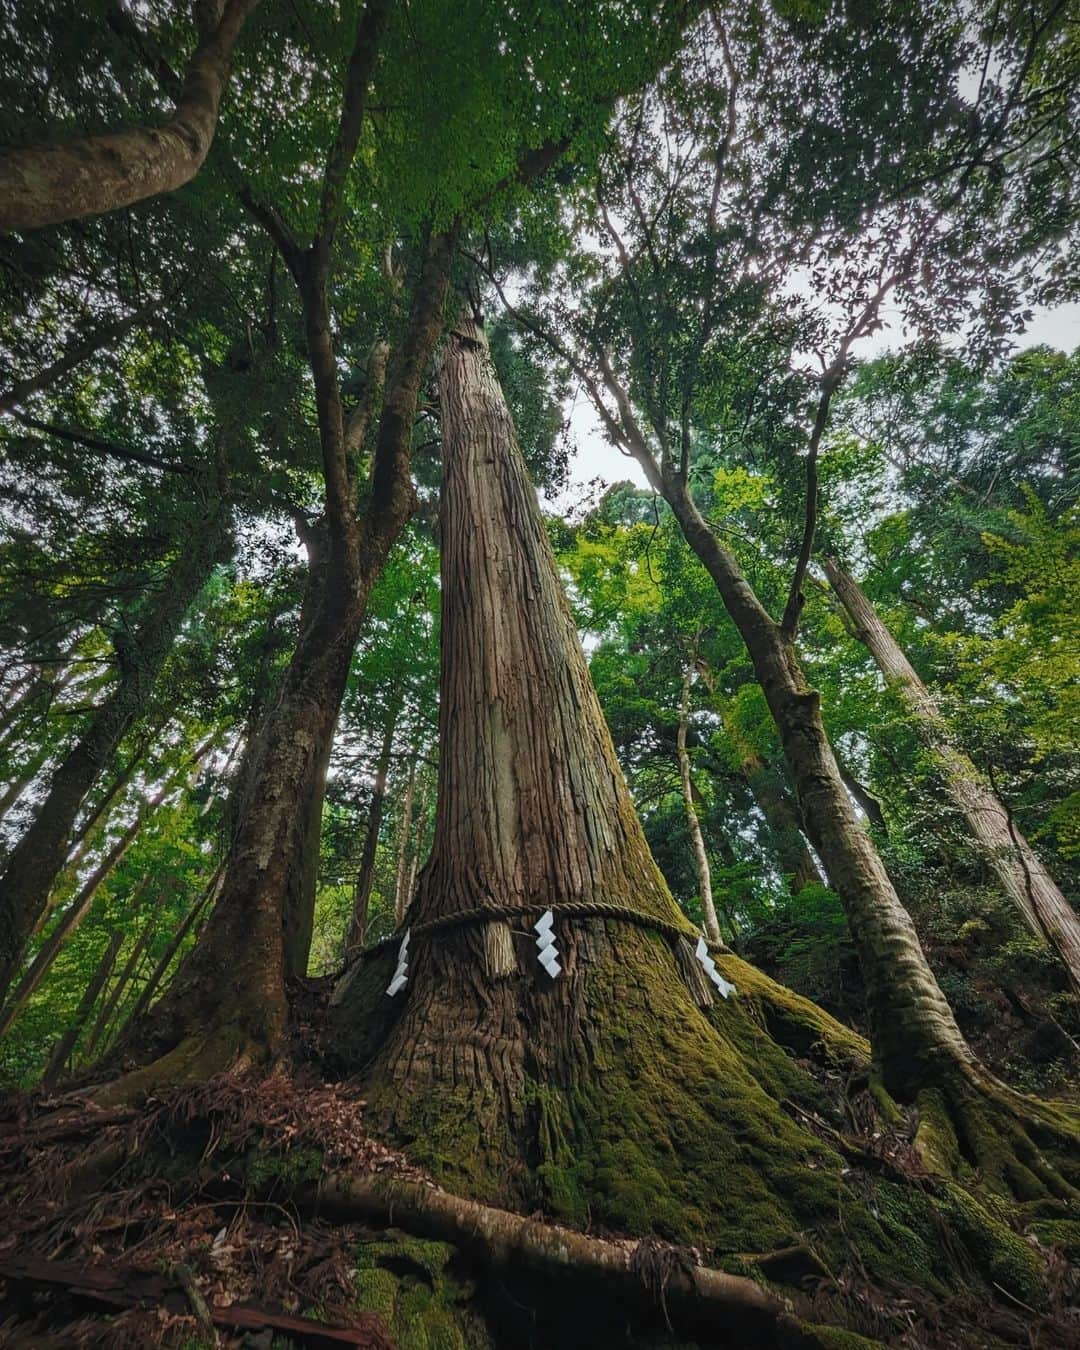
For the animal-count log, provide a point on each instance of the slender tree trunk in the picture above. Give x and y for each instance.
(64, 1046)
(1014, 863)
(209, 894)
(36, 861)
(127, 972)
(796, 861)
(401, 872)
(701, 857)
(366, 874)
(77, 910)
(914, 1034)
(45, 184)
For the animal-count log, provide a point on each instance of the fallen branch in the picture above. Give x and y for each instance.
(129, 1288)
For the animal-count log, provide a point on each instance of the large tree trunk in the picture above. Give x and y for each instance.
(607, 1094)
(693, 824)
(45, 184)
(1010, 857)
(37, 859)
(365, 875)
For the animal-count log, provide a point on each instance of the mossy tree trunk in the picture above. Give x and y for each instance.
(1018, 869)
(606, 1091)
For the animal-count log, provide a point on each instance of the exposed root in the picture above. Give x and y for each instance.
(975, 1129)
(697, 1298)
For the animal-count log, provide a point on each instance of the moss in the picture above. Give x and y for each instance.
(407, 1281)
(291, 1168)
(935, 1137)
(1002, 1253)
(1064, 1234)
(647, 1116)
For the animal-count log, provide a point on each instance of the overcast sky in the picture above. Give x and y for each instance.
(594, 458)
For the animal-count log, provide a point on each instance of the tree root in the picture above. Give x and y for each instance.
(974, 1128)
(696, 1298)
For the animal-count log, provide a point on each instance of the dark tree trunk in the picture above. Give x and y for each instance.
(45, 184)
(127, 972)
(366, 874)
(64, 1046)
(785, 830)
(37, 859)
(227, 1004)
(1018, 869)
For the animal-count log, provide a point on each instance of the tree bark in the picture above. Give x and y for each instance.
(366, 874)
(697, 840)
(46, 184)
(67, 1041)
(914, 1034)
(1018, 869)
(227, 1004)
(36, 861)
(532, 812)
(402, 870)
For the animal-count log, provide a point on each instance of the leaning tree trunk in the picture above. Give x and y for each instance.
(920, 1052)
(693, 824)
(1010, 857)
(37, 859)
(45, 184)
(796, 860)
(100, 978)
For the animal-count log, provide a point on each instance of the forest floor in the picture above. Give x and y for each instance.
(210, 1216)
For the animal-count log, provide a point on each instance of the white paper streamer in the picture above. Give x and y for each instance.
(545, 942)
(702, 954)
(401, 978)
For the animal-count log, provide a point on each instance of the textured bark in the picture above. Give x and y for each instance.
(914, 1034)
(227, 1003)
(697, 840)
(401, 870)
(532, 805)
(1018, 869)
(36, 861)
(64, 1046)
(46, 184)
(366, 874)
